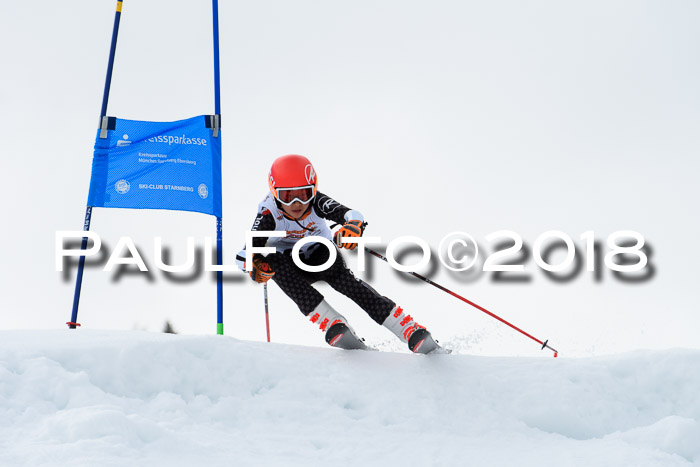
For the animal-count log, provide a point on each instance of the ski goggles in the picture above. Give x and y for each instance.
(303, 194)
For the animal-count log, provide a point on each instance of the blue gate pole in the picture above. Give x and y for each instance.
(110, 65)
(217, 87)
(219, 279)
(73, 323)
(219, 222)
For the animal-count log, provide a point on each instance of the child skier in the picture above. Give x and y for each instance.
(295, 206)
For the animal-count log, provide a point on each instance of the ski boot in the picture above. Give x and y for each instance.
(421, 341)
(338, 332)
(341, 336)
(405, 328)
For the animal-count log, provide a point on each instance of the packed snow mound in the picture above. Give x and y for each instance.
(88, 398)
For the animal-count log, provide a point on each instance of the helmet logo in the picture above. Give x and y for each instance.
(310, 174)
(272, 180)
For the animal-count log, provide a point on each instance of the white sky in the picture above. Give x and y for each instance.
(429, 117)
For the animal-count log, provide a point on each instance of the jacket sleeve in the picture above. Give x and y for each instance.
(328, 208)
(263, 221)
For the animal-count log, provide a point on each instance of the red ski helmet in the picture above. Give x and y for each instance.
(292, 178)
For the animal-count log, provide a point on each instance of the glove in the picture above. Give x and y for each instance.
(349, 229)
(262, 271)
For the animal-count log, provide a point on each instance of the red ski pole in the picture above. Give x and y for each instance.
(444, 289)
(267, 314)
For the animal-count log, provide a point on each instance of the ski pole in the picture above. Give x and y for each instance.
(444, 289)
(267, 314)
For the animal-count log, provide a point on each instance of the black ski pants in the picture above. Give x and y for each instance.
(296, 283)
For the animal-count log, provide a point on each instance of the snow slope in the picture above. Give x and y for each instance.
(132, 398)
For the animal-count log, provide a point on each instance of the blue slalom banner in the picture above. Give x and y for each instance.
(158, 165)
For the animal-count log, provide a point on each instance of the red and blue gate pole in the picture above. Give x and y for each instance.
(73, 323)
